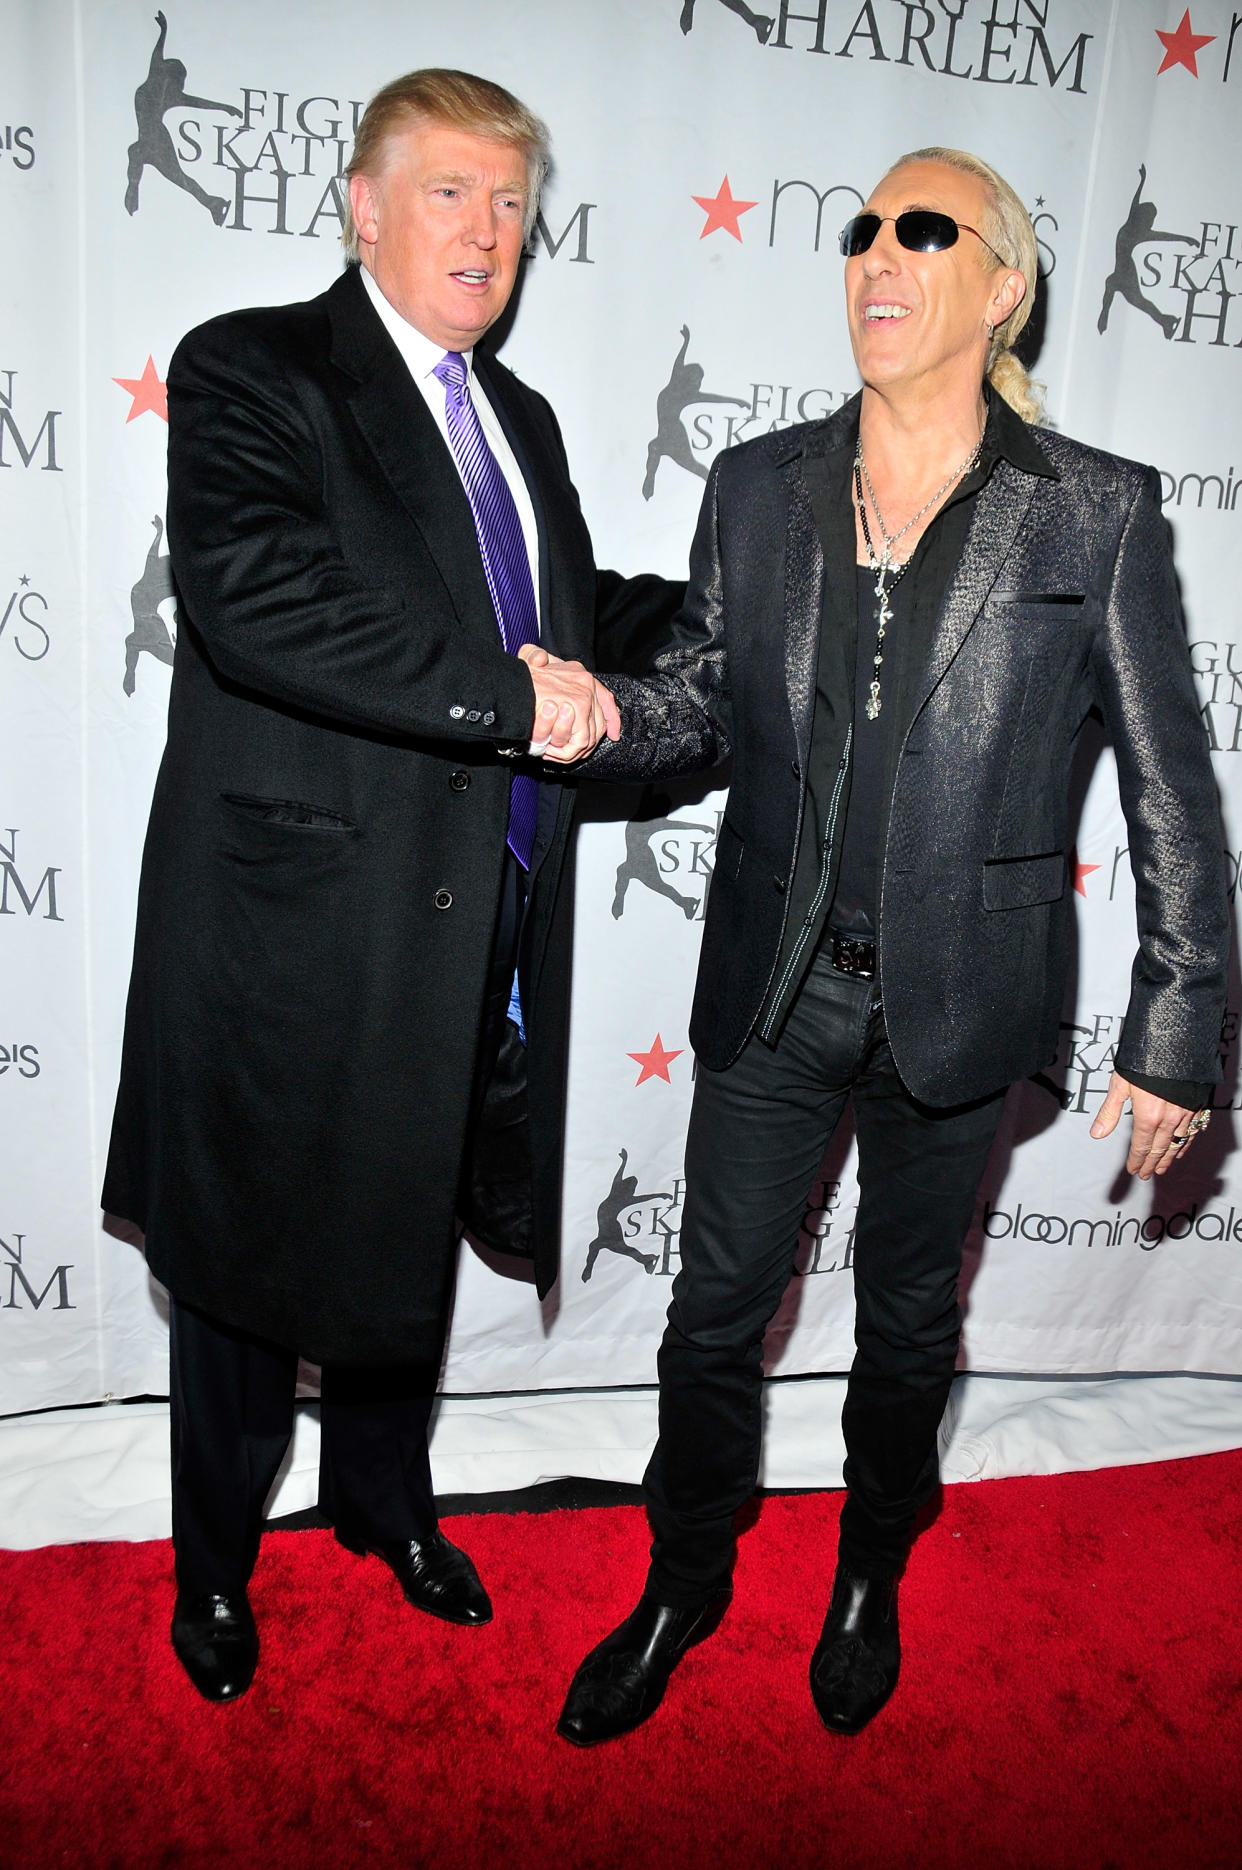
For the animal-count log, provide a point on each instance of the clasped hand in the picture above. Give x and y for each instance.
(573, 712)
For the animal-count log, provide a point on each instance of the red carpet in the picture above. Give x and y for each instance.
(1071, 1699)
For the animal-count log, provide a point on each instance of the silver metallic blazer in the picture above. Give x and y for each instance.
(1065, 599)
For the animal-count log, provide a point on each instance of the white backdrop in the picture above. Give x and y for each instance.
(686, 253)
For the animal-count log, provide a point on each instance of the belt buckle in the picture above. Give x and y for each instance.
(854, 955)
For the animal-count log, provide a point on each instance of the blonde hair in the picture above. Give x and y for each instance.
(460, 101)
(1006, 227)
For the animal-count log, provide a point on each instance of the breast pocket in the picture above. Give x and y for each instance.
(1045, 637)
(1044, 603)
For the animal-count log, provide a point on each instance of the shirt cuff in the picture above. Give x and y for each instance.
(1183, 1091)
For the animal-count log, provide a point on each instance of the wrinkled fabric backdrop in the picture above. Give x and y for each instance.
(683, 292)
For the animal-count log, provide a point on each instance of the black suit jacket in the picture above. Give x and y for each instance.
(1064, 598)
(322, 868)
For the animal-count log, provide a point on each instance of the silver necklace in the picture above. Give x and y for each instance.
(888, 574)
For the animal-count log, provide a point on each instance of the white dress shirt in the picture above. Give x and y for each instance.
(421, 357)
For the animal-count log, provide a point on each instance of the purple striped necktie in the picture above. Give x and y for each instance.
(505, 561)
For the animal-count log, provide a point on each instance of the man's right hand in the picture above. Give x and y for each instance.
(573, 711)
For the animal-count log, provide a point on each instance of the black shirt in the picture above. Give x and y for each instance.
(845, 894)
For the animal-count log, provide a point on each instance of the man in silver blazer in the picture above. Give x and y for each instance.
(896, 622)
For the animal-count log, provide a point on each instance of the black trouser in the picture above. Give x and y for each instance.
(231, 1406)
(758, 1133)
(231, 1400)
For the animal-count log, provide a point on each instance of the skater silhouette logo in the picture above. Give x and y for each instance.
(163, 90)
(684, 390)
(1136, 232)
(631, 1224)
(152, 591)
(669, 856)
(760, 24)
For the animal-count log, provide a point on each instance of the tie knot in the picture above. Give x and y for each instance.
(451, 371)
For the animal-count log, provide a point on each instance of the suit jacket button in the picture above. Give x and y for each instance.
(443, 899)
(489, 717)
(459, 781)
(474, 715)
(455, 714)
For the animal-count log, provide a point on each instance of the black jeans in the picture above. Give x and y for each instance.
(758, 1133)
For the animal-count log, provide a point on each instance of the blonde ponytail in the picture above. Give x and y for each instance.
(1007, 375)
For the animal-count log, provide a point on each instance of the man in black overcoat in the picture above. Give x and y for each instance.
(897, 621)
(348, 1012)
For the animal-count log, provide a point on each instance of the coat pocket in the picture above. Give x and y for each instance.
(286, 812)
(1022, 882)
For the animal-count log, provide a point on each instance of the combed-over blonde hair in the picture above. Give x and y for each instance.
(460, 101)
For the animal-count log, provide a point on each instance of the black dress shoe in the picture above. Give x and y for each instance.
(434, 1575)
(216, 1643)
(623, 1679)
(854, 1668)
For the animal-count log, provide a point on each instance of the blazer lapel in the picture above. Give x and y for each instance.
(1000, 508)
(398, 428)
(818, 535)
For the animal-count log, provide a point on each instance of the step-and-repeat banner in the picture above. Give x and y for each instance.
(683, 293)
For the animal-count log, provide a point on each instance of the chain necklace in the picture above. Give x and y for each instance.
(888, 574)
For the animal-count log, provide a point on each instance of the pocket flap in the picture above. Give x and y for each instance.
(286, 812)
(1021, 882)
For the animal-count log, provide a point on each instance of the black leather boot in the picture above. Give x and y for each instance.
(623, 1679)
(854, 1668)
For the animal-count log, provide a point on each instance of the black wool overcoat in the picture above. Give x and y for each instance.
(322, 868)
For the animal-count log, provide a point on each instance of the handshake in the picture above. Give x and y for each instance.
(573, 712)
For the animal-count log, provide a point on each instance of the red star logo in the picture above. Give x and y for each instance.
(1081, 873)
(723, 210)
(1180, 46)
(656, 1062)
(147, 391)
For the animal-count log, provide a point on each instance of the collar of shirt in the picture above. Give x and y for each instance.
(421, 355)
(1005, 433)
(1005, 437)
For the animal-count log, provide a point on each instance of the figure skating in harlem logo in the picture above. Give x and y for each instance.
(682, 391)
(685, 845)
(761, 24)
(609, 1235)
(1138, 230)
(163, 89)
(150, 632)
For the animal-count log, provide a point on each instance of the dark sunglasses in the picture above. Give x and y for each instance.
(920, 230)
